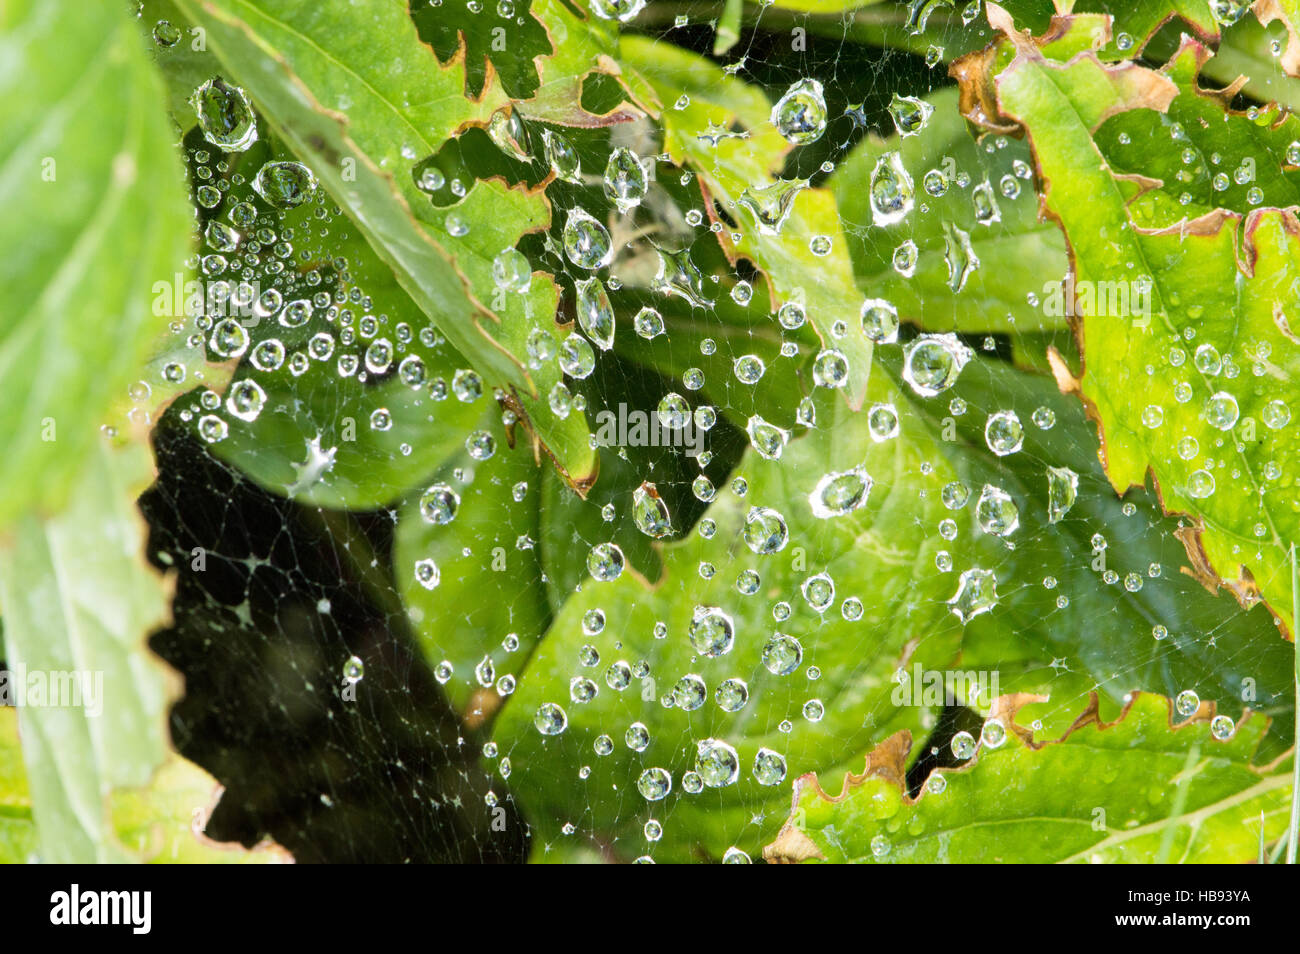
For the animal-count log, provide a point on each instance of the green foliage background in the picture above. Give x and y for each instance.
(1142, 644)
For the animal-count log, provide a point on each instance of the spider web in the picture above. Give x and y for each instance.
(315, 690)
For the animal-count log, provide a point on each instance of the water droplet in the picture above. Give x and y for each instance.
(507, 130)
(963, 745)
(229, 339)
(225, 115)
(840, 492)
(931, 363)
(1228, 12)
(550, 719)
(245, 399)
(882, 422)
(771, 205)
(1062, 489)
(892, 192)
(879, 320)
(438, 504)
(625, 179)
(689, 693)
(767, 439)
(678, 276)
(909, 113)
(1003, 433)
(1221, 411)
(976, 594)
(586, 241)
(621, 10)
(427, 573)
(605, 562)
(563, 158)
(782, 654)
(769, 767)
(284, 185)
(993, 734)
(997, 512)
(712, 632)
(800, 115)
(716, 763)
(654, 784)
(650, 513)
(511, 271)
(765, 530)
(830, 369)
(595, 313)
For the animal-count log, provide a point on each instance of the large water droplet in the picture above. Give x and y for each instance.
(246, 399)
(892, 192)
(976, 594)
(575, 356)
(800, 115)
(284, 185)
(766, 438)
(438, 504)
(650, 513)
(959, 255)
(996, 512)
(731, 695)
(225, 115)
(711, 632)
(595, 313)
(1221, 411)
(621, 10)
(765, 530)
(562, 157)
(1062, 489)
(909, 114)
(1003, 433)
(782, 654)
(586, 241)
(506, 128)
(931, 363)
(625, 179)
(879, 320)
(840, 493)
(550, 719)
(605, 562)
(716, 763)
(771, 205)
(678, 276)
(769, 767)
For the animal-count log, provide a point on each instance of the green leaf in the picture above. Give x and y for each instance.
(1140, 788)
(86, 764)
(865, 555)
(1286, 12)
(1208, 424)
(307, 65)
(17, 827)
(490, 579)
(728, 28)
(1238, 158)
(91, 189)
(1016, 256)
(1029, 640)
(316, 438)
(733, 164)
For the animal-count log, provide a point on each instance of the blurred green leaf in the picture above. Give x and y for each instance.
(92, 191)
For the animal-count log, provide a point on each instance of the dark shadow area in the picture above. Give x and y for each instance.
(272, 599)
